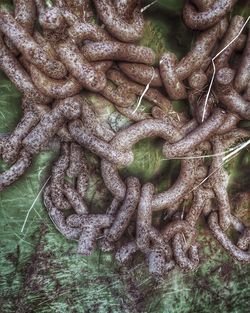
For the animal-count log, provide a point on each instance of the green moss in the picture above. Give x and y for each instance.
(161, 36)
(10, 105)
(172, 5)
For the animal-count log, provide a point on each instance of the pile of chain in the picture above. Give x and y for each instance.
(53, 53)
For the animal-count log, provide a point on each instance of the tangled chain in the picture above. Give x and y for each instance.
(53, 60)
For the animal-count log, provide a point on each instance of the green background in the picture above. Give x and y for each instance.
(39, 269)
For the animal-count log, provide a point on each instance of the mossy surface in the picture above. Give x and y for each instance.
(40, 271)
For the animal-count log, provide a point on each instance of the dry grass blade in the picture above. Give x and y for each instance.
(214, 68)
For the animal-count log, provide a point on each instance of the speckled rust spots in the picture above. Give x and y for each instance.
(207, 15)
